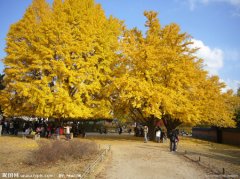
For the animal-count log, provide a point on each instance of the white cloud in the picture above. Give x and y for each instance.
(231, 84)
(213, 57)
(214, 61)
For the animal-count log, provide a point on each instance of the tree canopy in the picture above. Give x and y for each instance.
(69, 60)
(59, 60)
(162, 78)
(1, 88)
(237, 108)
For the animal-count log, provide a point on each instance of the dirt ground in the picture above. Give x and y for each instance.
(14, 155)
(138, 160)
(130, 158)
(217, 157)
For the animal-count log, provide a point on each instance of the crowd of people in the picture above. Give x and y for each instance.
(10, 127)
(40, 127)
(142, 131)
(44, 128)
(160, 136)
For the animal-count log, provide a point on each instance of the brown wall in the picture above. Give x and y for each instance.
(205, 133)
(220, 135)
(231, 137)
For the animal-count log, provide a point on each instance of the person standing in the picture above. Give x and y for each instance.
(145, 130)
(1, 122)
(49, 130)
(173, 140)
(83, 132)
(158, 134)
(68, 132)
(119, 130)
(58, 132)
(176, 140)
(11, 128)
(163, 137)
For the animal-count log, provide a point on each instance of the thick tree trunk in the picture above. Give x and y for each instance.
(151, 127)
(170, 123)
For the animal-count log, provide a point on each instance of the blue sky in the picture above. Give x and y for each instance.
(213, 24)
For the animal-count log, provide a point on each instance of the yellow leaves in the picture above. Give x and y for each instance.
(69, 61)
(60, 60)
(161, 75)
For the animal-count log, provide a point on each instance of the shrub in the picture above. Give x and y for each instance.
(52, 151)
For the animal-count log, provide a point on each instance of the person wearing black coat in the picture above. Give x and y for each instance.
(173, 140)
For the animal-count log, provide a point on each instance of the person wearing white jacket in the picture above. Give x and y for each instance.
(158, 134)
(145, 130)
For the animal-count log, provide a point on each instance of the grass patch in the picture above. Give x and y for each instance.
(52, 151)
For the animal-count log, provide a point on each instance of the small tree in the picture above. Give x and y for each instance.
(237, 113)
(1, 88)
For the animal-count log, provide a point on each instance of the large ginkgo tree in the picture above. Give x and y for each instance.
(59, 61)
(69, 60)
(161, 78)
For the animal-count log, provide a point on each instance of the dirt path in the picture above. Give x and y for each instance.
(138, 160)
(131, 158)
